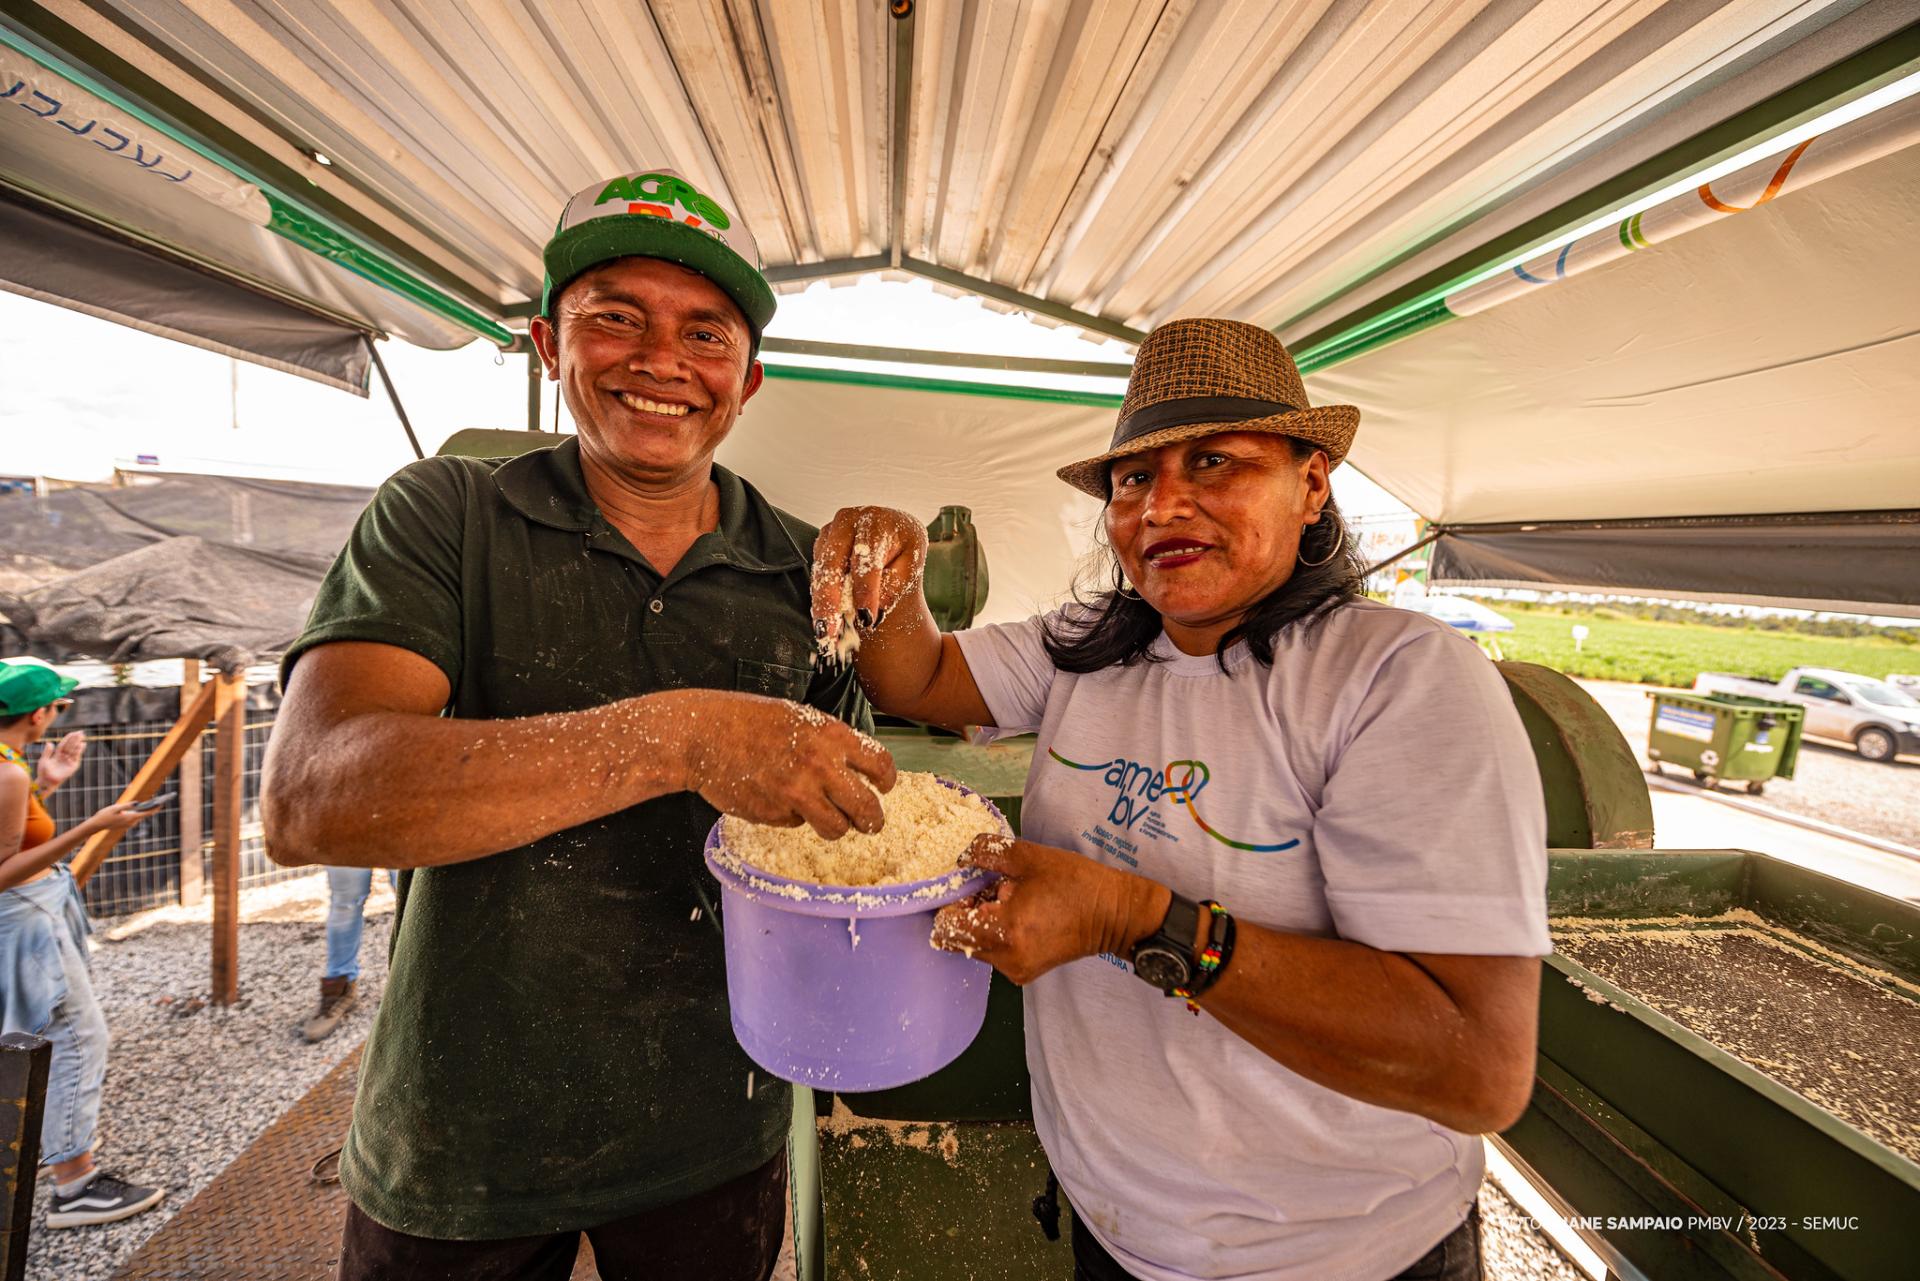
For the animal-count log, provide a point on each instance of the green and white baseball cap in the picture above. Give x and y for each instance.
(657, 213)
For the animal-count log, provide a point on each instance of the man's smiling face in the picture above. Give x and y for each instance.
(655, 362)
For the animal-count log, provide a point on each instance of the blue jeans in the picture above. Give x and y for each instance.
(48, 990)
(347, 890)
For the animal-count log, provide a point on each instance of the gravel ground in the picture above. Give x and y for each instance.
(1512, 1246)
(1831, 784)
(189, 1085)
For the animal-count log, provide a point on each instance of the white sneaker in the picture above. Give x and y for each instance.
(104, 1200)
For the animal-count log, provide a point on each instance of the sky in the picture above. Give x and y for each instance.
(84, 396)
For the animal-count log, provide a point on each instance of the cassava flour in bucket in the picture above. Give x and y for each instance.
(929, 826)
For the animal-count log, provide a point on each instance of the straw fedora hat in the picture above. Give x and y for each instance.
(1200, 377)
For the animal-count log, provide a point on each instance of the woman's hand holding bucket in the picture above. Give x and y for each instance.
(1049, 906)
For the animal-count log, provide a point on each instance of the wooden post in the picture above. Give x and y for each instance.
(23, 1094)
(173, 747)
(192, 837)
(229, 756)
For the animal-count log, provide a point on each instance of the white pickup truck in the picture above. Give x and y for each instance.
(1880, 720)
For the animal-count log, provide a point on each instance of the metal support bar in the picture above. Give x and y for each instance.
(902, 111)
(386, 380)
(1410, 549)
(955, 359)
(229, 757)
(535, 371)
(1779, 520)
(826, 270)
(1028, 302)
(24, 1059)
(191, 829)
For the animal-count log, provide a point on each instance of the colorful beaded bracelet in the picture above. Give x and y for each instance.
(1213, 958)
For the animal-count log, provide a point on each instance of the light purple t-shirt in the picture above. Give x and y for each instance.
(1375, 784)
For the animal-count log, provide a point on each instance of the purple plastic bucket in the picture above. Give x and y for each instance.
(836, 986)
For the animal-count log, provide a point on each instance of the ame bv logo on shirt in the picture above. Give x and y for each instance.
(1138, 788)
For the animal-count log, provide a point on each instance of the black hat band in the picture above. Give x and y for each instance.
(1186, 410)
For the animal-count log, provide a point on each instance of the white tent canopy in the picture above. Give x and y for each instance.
(1112, 163)
(812, 448)
(1315, 166)
(1770, 363)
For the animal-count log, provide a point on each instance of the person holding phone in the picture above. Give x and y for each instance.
(45, 982)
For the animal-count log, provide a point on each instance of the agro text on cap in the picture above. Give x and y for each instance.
(657, 213)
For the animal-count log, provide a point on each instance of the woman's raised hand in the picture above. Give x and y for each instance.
(866, 560)
(58, 762)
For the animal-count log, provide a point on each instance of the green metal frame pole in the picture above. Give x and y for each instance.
(24, 1059)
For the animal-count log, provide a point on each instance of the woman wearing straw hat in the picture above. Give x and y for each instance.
(45, 984)
(1282, 880)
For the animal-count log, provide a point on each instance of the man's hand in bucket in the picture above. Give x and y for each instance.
(783, 764)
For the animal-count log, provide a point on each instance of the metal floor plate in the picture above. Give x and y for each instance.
(263, 1218)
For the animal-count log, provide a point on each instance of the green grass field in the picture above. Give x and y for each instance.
(1658, 653)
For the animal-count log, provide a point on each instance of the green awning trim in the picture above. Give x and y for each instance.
(319, 236)
(1419, 305)
(861, 378)
(1394, 325)
(292, 218)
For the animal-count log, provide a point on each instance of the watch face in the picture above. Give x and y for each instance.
(1163, 969)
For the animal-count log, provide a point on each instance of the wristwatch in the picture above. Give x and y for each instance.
(1165, 959)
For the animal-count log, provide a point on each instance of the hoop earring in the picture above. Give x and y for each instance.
(1125, 592)
(1338, 544)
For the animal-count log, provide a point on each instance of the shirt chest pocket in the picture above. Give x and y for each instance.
(775, 680)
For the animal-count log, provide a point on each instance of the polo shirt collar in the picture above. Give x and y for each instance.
(548, 487)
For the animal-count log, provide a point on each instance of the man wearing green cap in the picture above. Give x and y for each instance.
(535, 684)
(46, 984)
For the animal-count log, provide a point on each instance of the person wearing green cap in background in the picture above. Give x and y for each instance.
(45, 985)
(533, 684)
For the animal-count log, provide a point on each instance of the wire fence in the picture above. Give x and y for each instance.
(143, 870)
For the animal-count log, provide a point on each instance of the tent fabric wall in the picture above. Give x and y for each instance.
(815, 447)
(1768, 364)
(56, 260)
(1861, 563)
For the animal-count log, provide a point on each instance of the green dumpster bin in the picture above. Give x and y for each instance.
(1727, 736)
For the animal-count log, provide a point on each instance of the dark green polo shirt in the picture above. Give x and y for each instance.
(553, 1047)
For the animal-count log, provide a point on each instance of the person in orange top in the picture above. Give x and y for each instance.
(45, 984)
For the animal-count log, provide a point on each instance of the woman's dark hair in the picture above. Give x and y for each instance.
(1114, 630)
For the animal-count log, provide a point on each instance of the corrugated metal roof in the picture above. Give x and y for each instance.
(1116, 161)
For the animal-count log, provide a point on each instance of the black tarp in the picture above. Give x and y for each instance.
(60, 261)
(211, 567)
(1849, 562)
